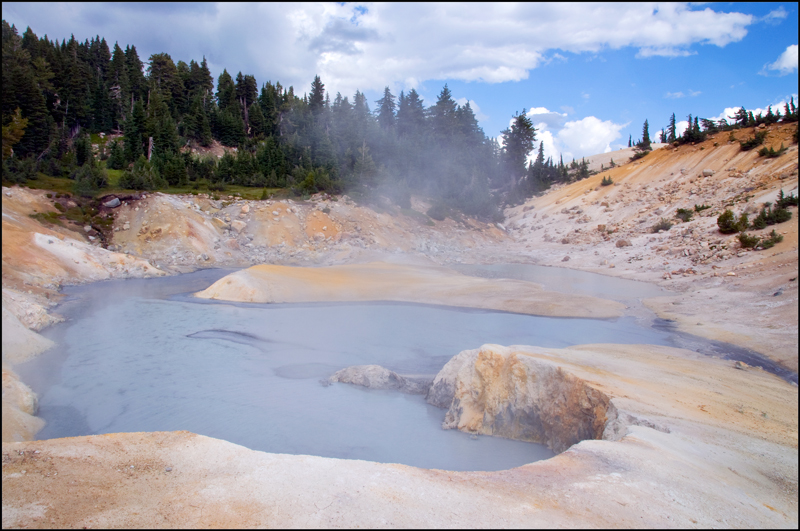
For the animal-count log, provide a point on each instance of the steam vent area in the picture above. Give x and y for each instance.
(203, 360)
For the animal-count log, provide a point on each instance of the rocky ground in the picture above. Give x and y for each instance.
(719, 291)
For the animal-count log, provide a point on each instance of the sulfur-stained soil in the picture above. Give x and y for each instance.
(709, 444)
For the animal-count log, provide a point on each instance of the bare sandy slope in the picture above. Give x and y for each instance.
(723, 453)
(723, 292)
(380, 281)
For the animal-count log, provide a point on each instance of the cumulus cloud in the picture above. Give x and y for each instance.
(574, 138)
(779, 105)
(369, 46)
(786, 63)
(588, 136)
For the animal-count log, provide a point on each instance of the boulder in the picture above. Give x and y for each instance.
(112, 203)
(509, 393)
(443, 388)
(623, 243)
(708, 173)
(238, 225)
(377, 377)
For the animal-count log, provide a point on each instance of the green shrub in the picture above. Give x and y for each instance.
(770, 216)
(774, 238)
(770, 153)
(785, 201)
(728, 224)
(700, 208)
(326, 210)
(47, 217)
(664, 224)
(747, 241)
(638, 155)
(143, 176)
(757, 140)
(684, 215)
(607, 181)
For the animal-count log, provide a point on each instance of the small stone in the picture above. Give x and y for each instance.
(565, 259)
(168, 469)
(731, 274)
(87, 228)
(740, 365)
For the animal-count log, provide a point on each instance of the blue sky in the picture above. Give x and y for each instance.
(589, 74)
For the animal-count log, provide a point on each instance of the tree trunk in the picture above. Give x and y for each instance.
(150, 149)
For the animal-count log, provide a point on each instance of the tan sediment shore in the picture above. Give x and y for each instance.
(380, 281)
(702, 445)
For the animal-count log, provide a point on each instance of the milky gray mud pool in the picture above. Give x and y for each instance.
(143, 355)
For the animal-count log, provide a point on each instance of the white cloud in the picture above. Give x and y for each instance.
(551, 119)
(779, 105)
(370, 46)
(572, 139)
(588, 136)
(680, 94)
(775, 16)
(786, 63)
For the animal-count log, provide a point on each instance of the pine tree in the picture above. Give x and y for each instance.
(317, 99)
(135, 133)
(386, 109)
(226, 91)
(672, 137)
(518, 143)
(645, 142)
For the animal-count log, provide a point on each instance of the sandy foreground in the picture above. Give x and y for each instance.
(696, 442)
(722, 452)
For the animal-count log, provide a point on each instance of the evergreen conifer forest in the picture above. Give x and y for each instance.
(102, 117)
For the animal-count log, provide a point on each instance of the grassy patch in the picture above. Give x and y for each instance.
(49, 218)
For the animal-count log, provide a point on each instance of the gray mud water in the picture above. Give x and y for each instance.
(631, 293)
(144, 355)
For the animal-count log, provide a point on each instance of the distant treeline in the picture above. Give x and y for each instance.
(56, 94)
